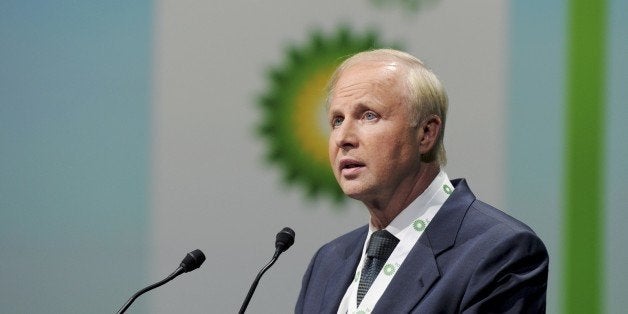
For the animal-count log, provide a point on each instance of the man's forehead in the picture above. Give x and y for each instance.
(373, 64)
(366, 75)
(359, 90)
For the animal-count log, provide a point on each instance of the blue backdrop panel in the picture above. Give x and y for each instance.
(74, 141)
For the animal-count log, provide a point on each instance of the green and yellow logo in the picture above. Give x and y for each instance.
(295, 119)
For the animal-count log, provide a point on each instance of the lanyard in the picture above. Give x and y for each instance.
(421, 212)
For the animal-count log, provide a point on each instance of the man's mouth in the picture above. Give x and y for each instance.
(350, 166)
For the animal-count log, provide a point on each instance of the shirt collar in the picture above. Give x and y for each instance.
(417, 208)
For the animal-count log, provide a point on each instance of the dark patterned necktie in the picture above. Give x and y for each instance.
(381, 245)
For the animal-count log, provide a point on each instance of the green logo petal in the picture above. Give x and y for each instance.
(294, 117)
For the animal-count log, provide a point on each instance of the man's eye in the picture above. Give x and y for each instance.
(370, 116)
(337, 121)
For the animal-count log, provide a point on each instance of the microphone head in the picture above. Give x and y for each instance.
(192, 260)
(285, 239)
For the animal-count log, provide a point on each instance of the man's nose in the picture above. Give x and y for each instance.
(346, 136)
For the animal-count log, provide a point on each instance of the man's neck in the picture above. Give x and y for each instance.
(383, 211)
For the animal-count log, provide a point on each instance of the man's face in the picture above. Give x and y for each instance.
(373, 148)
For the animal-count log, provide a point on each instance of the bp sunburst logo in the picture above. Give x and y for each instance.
(295, 121)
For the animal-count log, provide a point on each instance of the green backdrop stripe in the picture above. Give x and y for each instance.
(584, 157)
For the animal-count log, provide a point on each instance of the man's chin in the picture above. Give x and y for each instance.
(354, 191)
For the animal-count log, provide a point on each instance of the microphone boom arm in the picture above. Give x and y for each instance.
(256, 281)
(283, 241)
(190, 262)
(128, 303)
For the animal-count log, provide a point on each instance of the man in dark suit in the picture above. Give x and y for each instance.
(430, 246)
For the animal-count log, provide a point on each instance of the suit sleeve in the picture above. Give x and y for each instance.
(512, 278)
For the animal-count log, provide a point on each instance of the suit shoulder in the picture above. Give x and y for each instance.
(489, 226)
(491, 217)
(342, 246)
(346, 241)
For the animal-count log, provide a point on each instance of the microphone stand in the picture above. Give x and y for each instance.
(128, 303)
(256, 281)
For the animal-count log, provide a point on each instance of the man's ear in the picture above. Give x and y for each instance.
(428, 133)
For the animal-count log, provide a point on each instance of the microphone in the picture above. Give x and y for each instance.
(190, 262)
(283, 241)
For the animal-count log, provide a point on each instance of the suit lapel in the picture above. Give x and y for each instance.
(420, 270)
(442, 231)
(412, 281)
(341, 277)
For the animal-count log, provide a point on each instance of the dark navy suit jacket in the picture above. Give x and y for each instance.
(472, 258)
